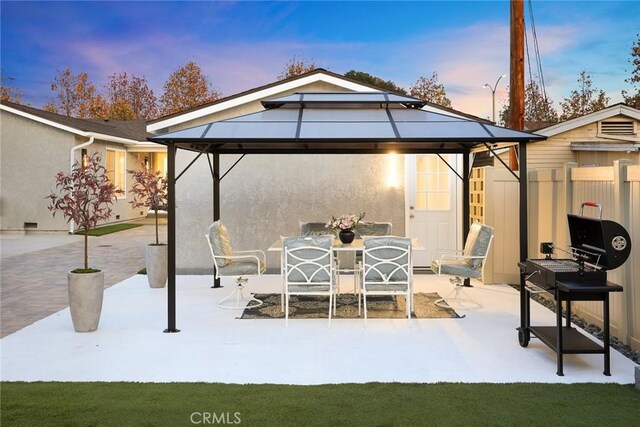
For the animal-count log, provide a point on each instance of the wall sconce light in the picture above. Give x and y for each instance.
(393, 178)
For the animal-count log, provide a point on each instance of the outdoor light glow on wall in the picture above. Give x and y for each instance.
(393, 178)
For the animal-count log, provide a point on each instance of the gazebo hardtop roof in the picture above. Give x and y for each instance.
(342, 122)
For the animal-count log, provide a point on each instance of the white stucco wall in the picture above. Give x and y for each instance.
(265, 196)
(31, 154)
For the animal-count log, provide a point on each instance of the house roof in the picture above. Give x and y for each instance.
(275, 88)
(612, 111)
(342, 122)
(128, 130)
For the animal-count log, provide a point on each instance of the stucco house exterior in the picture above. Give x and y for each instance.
(37, 144)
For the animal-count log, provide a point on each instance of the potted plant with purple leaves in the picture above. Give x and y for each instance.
(84, 196)
(150, 190)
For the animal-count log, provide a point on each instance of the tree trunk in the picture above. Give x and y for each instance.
(86, 249)
(157, 239)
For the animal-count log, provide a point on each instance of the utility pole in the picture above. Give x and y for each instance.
(516, 78)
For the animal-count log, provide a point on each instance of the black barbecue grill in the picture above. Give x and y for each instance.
(597, 245)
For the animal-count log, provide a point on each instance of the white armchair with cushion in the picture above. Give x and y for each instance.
(386, 269)
(309, 269)
(467, 264)
(362, 230)
(238, 264)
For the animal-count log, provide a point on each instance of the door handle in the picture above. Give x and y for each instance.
(412, 216)
(411, 207)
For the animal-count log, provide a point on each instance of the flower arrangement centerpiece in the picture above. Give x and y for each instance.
(345, 224)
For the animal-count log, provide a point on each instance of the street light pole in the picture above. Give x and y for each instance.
(493, 95)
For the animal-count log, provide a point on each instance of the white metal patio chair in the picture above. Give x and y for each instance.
(238, 264)
(468, 263)
(386, 269)
(362, 230)
(309, 269)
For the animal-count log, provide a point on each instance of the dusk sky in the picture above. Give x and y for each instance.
(241, 44)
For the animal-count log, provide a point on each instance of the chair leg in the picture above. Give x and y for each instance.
(331, 302)
(282, 296)
(356, 285)
(408, 302)
(364, 296)
(239, 298)
(286, 311)
(457, 298)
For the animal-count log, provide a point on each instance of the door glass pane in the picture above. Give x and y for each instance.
(421, 183)
(433, 183)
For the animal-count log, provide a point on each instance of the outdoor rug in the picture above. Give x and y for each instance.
(379, 306)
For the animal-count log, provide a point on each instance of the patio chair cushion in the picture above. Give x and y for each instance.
(398, 287)
(220, 242)
(312, 289)
(314, 229)
(478, 241)
(299, 265)
(365, 228)
(377, 270)
(242, 268)
(462, 268)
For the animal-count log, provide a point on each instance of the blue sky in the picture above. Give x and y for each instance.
(242, 44)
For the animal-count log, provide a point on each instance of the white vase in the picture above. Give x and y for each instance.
(86, 292)
(156, 260)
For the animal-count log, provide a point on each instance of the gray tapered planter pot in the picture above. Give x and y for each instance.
(156, 259)
(85, 299)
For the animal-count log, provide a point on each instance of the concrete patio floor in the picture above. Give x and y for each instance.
(214, 346)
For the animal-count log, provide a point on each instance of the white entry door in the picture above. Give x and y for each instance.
(431, 203)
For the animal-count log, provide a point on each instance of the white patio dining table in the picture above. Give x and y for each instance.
(338, 246)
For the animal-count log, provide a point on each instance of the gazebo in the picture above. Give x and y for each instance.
(337, 123)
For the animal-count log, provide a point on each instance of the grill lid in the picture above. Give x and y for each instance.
(604, 243)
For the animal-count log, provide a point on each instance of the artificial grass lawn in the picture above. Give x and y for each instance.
(108, 229)
(374, 404)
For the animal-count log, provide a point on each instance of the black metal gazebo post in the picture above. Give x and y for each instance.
(466, 210)
(171, 238)
(524, 217)
(216, 204)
